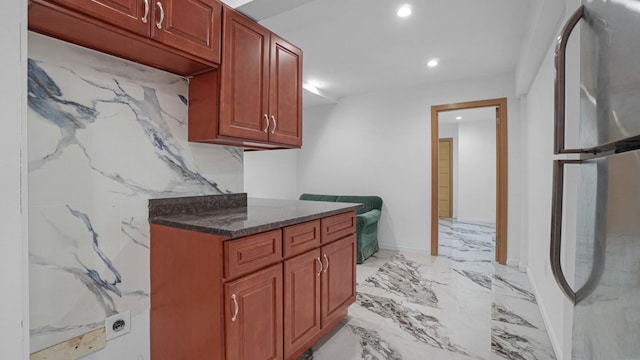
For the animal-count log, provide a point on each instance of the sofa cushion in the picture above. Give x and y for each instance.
(369, 202)
(316, 197)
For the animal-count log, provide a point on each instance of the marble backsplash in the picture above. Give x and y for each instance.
(105, 135)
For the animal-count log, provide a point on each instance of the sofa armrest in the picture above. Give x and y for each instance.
(370, 217)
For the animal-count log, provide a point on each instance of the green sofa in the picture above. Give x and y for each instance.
(367, 218)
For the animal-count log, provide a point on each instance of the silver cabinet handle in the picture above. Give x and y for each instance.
(145, 18)
(326, 267)
(275, 124)
(559, 98)
(159, 23)
(320, 264)
(556, 239)
(234, 316)
(266, 119)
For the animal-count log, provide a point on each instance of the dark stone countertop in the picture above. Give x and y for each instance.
(258, 215)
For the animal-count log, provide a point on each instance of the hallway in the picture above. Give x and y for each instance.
(460, 305)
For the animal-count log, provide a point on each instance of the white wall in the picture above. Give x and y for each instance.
(379, 143)
(538, 115)
(14, 301)
(271, 174)
(539, 162)
(524, 183)
(545, 16)
(477, 160)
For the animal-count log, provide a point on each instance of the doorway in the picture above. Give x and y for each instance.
(500, 106)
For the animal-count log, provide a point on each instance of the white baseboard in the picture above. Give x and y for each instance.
(404, 249)
(514, 262)
(545, 317)
(481, 221)
(523, 268)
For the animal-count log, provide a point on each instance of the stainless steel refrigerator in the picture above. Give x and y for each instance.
(599, 146)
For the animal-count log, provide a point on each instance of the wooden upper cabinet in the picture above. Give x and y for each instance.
(285, 94)
(126, 14)
(260, 90)
(179, 36)
(190, 25)
(244, 82)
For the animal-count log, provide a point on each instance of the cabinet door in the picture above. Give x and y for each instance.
(127, 14)
(193, 26)
(338, 277)
(253, 316)
(285, 93)
(301, 300)
(244, 82)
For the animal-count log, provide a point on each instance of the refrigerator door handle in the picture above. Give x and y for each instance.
(560, 82)
(556, 241)
(556, 228)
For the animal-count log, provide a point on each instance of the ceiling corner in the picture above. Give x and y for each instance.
(236, 3)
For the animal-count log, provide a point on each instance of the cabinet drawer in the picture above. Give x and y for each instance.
(253, 252)
(299, 238)
(338, 226)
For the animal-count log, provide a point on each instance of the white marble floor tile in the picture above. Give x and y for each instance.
(372, 264)
(517, 311)
(519, 343)
(457, 306)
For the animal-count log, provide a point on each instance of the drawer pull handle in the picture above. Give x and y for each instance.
(234, 316)
(146, 12)
(326, 267)
(319, 263)
(266, 119)
(159, 23)
(275, 124)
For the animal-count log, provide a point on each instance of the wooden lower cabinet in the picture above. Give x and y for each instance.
(242, 299)
(253, 316)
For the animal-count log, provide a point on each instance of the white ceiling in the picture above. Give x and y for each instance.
(359, 46)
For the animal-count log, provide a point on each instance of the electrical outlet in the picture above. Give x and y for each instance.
(118, 324)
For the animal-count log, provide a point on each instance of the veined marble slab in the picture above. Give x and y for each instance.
(105, 135)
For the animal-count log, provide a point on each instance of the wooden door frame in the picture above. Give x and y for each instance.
(501, 171)
(450, 141)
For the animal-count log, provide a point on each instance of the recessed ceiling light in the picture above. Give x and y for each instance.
(404, 10)
(458, 117)
(316, 83)
(432, 63)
